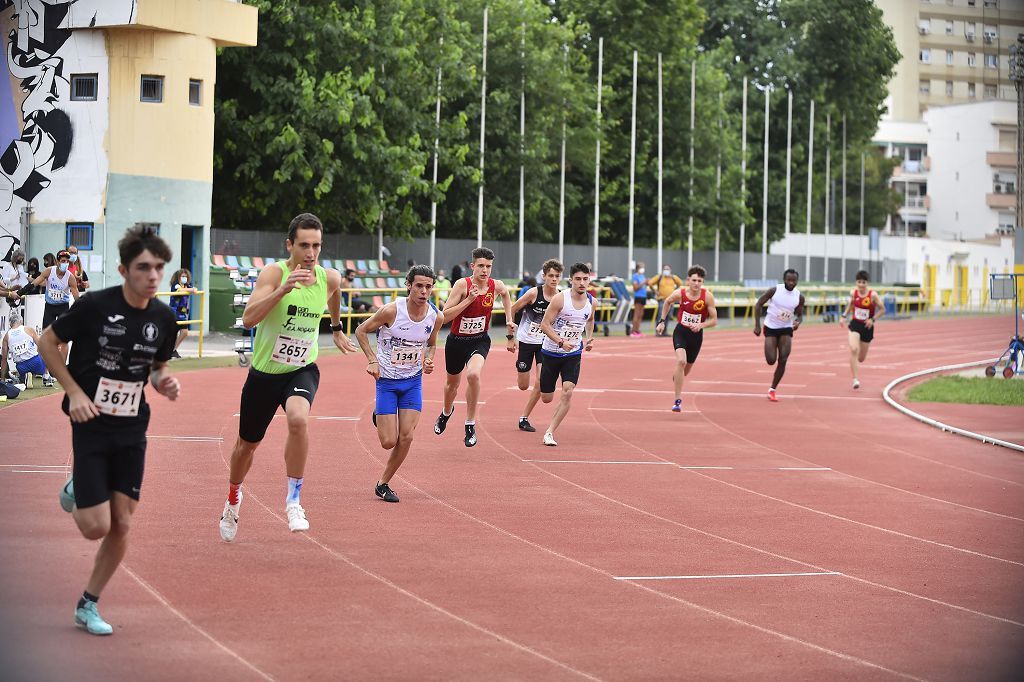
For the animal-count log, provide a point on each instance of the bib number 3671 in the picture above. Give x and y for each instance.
(118, 398)
(291, 351)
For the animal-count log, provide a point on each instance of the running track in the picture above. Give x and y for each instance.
(901, 547)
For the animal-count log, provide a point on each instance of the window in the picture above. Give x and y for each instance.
(990, 33)
(949, 88)
(970, 3)
(1007, 140)
(949, 58)
(926, 56)
(972, 59)
(991, 61)
(923, 26)
(970, 28)
(1006, 223)
(80, 235)
(992, 3)
(990, 92)
(924, 87)
(153, 226)
(195, 92)
(152, 89)
(971, 91)
(83, 87)
(949, 28)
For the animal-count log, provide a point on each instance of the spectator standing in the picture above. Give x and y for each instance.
(14, 273)
(639, 299)
(442, 286)
(49, 260)
(181, 281)
(77, 268)
(664, 284)
(456, 272)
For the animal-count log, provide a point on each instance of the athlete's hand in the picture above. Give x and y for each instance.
(660, 328)
(869, 323)
(796, 324)
(511, 346)
(473, 292)
(842, 322)
(82, 408)
(344, 344)
(590, 345)
(295, 278)
(695, 327)
(169, 387)
(757, 330)
(428, 365)
(373, 369)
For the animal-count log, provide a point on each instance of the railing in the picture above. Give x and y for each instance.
(191, 321)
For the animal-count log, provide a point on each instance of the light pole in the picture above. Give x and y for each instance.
(1017, 76)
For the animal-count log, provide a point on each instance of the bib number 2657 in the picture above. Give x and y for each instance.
(291, 351)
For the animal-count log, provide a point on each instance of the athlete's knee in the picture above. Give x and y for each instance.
(94, 529)
(473, 378)
(297, 422)
(389, 441)
(770, 359)
(681, 365)
(120, 525)
(547, 397)
(567, 393)
(524, 381)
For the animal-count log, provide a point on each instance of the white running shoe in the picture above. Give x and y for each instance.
(229, 519)
(28, 380)
(296, 517)
(549, 439)
(856, 383)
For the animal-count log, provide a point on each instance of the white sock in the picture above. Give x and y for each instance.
(294, 489)
(470, 422)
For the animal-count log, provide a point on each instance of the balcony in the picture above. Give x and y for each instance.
(1001, 159)
(916, 205)
(997, 200)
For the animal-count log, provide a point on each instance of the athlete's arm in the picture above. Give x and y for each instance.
(547, 325)
(165, 384)
(526, 299)
(455, 296)
(73, 286)
(846, 313)
(510, 323)
(81, 406)
(590, 333)
(384, 317)
(428, 354)
(450, 312)
(798, 313)
(268, 292)
(879, 309)
(34, 283)
(759, 309)
(712, 320)
(341, 342)
(673, 298)
(3, 358)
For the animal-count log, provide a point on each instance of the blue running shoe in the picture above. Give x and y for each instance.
(67, 495)
(678, 406)
(88, 618)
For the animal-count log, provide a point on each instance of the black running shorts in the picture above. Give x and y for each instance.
(567, 367)
(528, 354)
(866, 333)
(688, 339)
(263, 393)
(52, 312)
(459, 349)
(107, 460)
(782, 331)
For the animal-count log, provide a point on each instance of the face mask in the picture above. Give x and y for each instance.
(62, 267)
(666, 272)
(183, 280)
(640, 271)
(74, 258)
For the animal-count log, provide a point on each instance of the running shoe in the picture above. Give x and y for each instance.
(771, 395)
(678, 406)
(384, 492)
(67, 495)
(296, 517)
(374, 418)
(28, 380)
(442, 422)
(525, 425)
(175, 355)
(470, 435)
(549, 439)
(48, 382)
(637, 334)
(229, 519)
(856, 383)
(88, 618)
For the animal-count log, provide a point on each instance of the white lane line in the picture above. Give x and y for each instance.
(823, 374)
(805, 468)
(681, 466)
(727, 394)
(36, 471)
(37, 466)
(700, 467)
(588, 461)
(189, 439)
(731, 575)
(655, 380)
(463, 402)
(639, 409)
(337, 419)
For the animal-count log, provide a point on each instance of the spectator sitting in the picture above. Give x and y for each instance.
(351, 299)
(21, 343)
(181, 305)
(77, 269)
(442, 286)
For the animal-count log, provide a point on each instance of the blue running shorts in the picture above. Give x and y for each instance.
(399, 394)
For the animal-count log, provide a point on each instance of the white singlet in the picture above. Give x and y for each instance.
(571, 325)
(20, 345)
(400, 346)
(781, 307)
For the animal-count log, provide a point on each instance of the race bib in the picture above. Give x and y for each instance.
(20, 349)
(406, 356)
(471, 325)
(785, 315)
(689, 318)
(572, 332)
(56, 293)
(291, 351)
(533, 331)
(861, 313)
(118, 398)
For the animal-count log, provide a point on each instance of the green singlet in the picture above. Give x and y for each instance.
(286, 339)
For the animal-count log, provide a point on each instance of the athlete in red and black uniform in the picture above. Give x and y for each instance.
(469, 342)
(696, 312)
(865, 307)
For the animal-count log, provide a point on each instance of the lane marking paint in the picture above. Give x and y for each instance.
(731, 575)
(589, 461)
(188, 439)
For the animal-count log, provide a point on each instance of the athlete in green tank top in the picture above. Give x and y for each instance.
(286, 338)
(285, 307)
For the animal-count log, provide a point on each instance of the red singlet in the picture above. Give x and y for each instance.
(476, 318)
(693, 312)
(863, 306)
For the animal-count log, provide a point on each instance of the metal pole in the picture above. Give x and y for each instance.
(522, 146)
(693, 109)
(1017, 78)
(660, 165)
(828, 186)
(789, 163)
(743, 179)
(718, 190)
(810, 189)
(437, 142)
(842, 244)
(764, 192)
(632, 171)
(597, 161)
(860, 252)
(483, 127)
(561, 189)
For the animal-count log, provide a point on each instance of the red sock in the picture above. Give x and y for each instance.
(233, 492)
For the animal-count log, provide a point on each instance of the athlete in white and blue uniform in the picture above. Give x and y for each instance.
(533, 304)
(20, 343)
(406, 331)
(60, 287)
(568, 328)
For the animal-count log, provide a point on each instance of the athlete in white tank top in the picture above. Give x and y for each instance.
(785, 310)
(400, 345)
(20, 345)
(781, 308)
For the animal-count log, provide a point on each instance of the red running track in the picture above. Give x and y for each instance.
(900, 548)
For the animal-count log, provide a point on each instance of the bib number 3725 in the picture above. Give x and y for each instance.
(291, 351)
(118, 398)
(471, 325)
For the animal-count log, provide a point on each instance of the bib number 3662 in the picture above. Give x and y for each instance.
(118, 398)
(291, 351)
